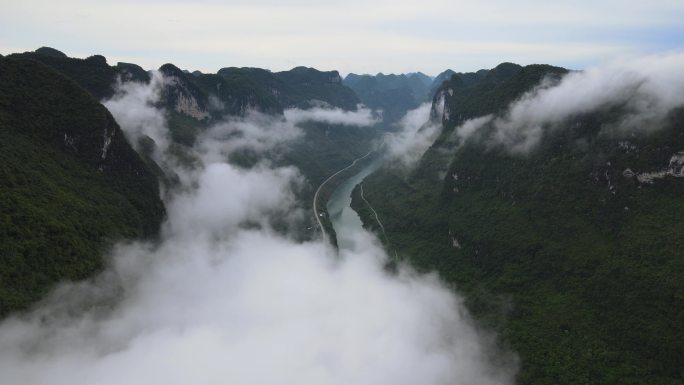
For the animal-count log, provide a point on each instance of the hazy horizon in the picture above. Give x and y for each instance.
(347, 36)
(113, 61)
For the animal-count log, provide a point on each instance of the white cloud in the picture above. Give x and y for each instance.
(134, 108)
(471, 126)
(253, 195)
(258, 132)
(254, 309)
(646, 89)
(416, 134)
(362, 117)
(221, 298)
(255, 132)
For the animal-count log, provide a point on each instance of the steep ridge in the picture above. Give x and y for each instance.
(439, 79)
(93, 73)
(467, 78)
(237, 90)
(300, 87)
(194, 101)
(70, 183)
(570, 250)
(307, 87)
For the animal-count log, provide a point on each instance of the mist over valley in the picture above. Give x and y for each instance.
(473, 224)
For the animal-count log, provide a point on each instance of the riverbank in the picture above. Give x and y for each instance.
(345, 221)
(328, 187)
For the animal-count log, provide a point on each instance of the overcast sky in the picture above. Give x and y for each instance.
(367, 36)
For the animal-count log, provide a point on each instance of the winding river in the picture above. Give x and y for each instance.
(344, 219)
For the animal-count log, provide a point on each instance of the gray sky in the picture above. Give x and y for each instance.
(347, 35)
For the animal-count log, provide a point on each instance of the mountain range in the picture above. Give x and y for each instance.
(564, 237)
(392, 94)
(73, 185)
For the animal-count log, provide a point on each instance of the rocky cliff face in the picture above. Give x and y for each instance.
(182, 95)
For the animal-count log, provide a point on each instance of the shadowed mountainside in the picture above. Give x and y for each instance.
(71, 184)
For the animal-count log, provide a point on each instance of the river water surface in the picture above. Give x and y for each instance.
(344, 219)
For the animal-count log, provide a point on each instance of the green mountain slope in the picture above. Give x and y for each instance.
(576, 262)
(70, 183)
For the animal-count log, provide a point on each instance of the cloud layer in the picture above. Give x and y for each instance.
(221, 298)
(133, 106)
(255, 132)
(416, 134)
(362, 117)
(254, 308)
(645, 89)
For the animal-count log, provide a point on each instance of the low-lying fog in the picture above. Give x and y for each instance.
(218, 302)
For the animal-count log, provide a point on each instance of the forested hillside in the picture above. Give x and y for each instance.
(70, 183)
(570, 250)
